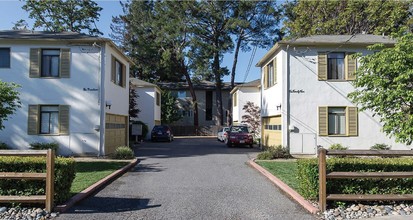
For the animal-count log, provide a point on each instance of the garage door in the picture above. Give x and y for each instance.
(116, 132)
(271, 135)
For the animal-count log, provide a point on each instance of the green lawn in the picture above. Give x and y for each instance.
(284, 170)
(88, 173)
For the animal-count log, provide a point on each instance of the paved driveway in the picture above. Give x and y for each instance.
(190, 179)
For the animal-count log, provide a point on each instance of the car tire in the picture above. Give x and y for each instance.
(228, 143)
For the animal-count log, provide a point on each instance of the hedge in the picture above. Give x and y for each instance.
(308, 176)
(64, 176)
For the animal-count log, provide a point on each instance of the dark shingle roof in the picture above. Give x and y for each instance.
(32, 35)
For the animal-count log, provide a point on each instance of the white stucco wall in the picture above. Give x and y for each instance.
(73, 91)
(146, 103)
(244, 95)
(303, 106)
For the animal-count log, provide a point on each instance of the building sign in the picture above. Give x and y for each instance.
(136, 129)
(296, 91)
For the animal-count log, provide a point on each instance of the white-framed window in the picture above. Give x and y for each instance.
(118, 75)
(49, 119)
(336, 66)
(335, 63)
(50, 63)
(337, 121)
(4, 57)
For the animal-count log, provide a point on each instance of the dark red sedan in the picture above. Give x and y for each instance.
(239, 135)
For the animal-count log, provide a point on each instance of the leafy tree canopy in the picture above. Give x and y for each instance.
(169, 108)
(64, 15)
(9, 101)
(305, 18)
(384, 85)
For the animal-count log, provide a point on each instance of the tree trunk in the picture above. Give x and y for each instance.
(234, 64)
(218, 84)
(192, 91)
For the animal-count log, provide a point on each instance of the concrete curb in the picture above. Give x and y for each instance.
(93, 188)
(284, 187)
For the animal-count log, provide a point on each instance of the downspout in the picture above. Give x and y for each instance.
(261, 98)
(287, 101)
(102, 102)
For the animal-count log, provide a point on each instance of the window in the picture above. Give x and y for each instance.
(158, 99)
(270, 74)
(49, 63)
(118, 75)
(336, 66)
(208, 105)
(182, 94)
(336, 121)
(234, 99)
(342, 121)
(48, 119)
(4, 57)
(335, 62)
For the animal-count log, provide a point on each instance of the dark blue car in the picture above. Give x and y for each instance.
(162, 132)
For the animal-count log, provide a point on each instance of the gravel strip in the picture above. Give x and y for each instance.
(359, 211)
(25, 214)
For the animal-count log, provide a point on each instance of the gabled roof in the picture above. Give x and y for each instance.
(140, 83)
(72, 37)
(254, 83)
(202, 85)
(360, 40)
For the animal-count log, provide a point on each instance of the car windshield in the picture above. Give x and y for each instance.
(239, 129)
(159, 128)
(226, 129)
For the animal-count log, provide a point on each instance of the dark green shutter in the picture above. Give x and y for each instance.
(34, 71)
(322, 121)
(33, 120)
(322, 66)
(64, 119)
(65, 63)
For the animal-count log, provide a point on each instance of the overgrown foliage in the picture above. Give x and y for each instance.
(133, 105)
(4, 146)
(64, 15)
(384, 86)
(337, 147)
(274, 153)
(64, 176)
(252, 118)
(345, 17)
(9, 101)
(169, 108)
(123, 153)
(44, 146)
(308, 176)
(380, 147)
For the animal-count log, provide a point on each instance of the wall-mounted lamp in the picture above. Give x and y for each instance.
(108, 103)
(291, 128)
(278, 107)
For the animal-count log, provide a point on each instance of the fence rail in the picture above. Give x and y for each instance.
(323, 176)
(48, 177)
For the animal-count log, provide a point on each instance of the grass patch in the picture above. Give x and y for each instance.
(286, 171)
(88, 173)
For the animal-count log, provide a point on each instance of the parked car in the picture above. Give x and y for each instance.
(222, 134)
(239, 135)
(162, 132)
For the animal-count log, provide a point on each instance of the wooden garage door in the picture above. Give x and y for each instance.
(271, 135)
(116, 132)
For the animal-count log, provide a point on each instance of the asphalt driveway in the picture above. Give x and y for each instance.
(190, 178)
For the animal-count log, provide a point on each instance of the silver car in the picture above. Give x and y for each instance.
(222, 134)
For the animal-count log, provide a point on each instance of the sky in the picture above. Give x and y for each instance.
(11, 11)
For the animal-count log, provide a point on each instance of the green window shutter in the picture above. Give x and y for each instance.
(350, 67)
(322, 66)
(323, 121)
(265, 77)
(64, 119)
(275, 70)
(65, 63)
(352, 118)
(34, 71)
(33, 120)
(123, 75)
(113, 72)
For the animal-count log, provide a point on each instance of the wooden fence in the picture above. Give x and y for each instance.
(323, 176)
(48, 176)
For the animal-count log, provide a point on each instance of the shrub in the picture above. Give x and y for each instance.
(123, 152)
(44, 146)
(274, 153)
(64, 176)
(337, 147)
(4, 146)
(308, 176)
(380, 147)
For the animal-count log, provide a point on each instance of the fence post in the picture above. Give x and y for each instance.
(322, 178)
(50, 179)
